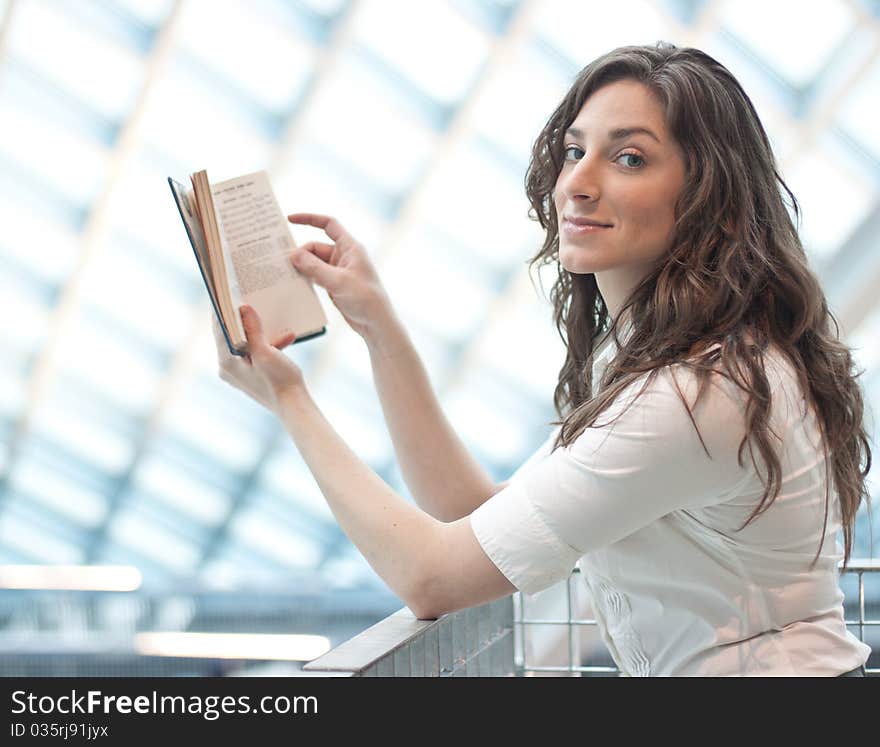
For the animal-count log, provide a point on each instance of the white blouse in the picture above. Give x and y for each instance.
(652, 522)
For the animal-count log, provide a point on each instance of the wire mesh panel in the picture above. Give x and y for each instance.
(556, 634)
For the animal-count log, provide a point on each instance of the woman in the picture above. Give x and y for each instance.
(710, 441)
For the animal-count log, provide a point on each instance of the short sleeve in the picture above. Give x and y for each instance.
(643, 459)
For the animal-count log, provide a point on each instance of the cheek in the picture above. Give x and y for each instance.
(649, 212)
(555, 197)
(651, 220)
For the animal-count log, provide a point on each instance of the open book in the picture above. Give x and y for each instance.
(242, 244)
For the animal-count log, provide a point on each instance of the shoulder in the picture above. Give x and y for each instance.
(686, 410)
(702, 393)
(697, 381)
(728, 399)
(668, 417)
(782, 381)
(780, 373)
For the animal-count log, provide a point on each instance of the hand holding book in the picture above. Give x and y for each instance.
(242, 245)
(265, 374)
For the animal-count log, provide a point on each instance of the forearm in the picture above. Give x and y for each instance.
(443, 477)
(397, 539)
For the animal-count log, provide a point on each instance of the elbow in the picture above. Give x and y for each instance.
(423, 605)
(437, 587)
(427, 614)
(429, 611)
(427, 601)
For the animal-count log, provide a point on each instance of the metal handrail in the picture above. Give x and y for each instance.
(473, 642)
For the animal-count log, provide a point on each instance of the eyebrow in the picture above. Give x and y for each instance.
(617, 134)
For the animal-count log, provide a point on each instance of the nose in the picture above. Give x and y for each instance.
(580, 181)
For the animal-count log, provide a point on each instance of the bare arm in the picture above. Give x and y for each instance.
(433, 566)
(444, 479)
(442, 475)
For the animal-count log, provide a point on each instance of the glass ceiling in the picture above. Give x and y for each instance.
(411, 122)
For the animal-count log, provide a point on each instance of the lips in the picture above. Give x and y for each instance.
(585, 222)
(580, 228)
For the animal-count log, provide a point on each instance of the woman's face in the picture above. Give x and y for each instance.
(617, 174)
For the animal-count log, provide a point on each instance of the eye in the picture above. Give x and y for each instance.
(571, 148)
(631, 165)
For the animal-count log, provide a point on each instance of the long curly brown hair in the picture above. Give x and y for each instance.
(736, 274)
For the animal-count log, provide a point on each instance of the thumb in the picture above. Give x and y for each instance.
(253, 331)
(314, 268)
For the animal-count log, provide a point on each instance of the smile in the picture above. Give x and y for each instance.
(573, 229)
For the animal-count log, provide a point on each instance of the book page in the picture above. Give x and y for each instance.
(226, 302)
(257, 244)
(186, 201)
(188, 206)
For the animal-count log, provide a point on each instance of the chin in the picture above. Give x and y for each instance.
(577, 260)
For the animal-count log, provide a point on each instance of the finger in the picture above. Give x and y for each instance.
(316, 269)
(230, 366)
(332, 227)
(285, 341)
(318, 248)
(253, 331)
(309, 219)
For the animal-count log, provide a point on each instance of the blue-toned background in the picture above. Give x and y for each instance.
(410, 121)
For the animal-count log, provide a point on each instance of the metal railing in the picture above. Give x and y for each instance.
(556, 628)
(547, 636)
(474, 642)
